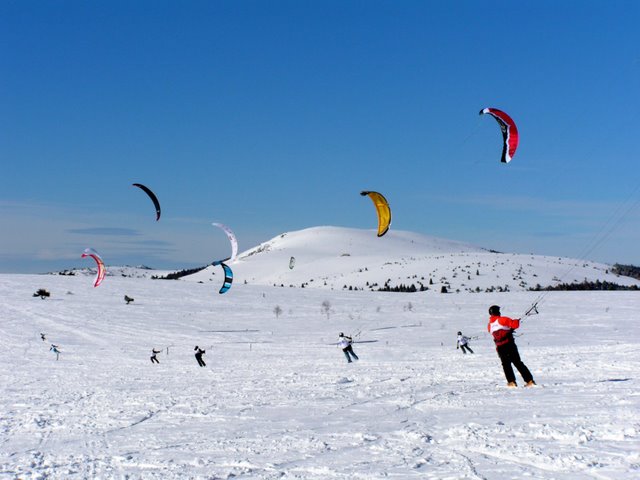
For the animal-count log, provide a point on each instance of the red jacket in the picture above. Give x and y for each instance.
(502, 329)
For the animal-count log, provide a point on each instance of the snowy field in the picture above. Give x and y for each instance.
(278, 400)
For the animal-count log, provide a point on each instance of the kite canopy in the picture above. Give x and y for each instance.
(382, 209)
(232, 239)
(90, 252)
(509, 132)
(292, 262)
(228, 276)
(153, 198)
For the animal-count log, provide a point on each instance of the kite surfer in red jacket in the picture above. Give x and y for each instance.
(502, 330)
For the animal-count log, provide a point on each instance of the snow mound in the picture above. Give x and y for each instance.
(338, 258)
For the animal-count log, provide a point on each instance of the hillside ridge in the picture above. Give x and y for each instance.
(339, 258)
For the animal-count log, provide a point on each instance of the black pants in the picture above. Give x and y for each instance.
(462, 347)
(349, 351)
(154, 359)
(200, 361)
(508, 354)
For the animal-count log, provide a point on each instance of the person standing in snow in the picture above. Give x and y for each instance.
(502, 330)
(463, 343)
(199, 353)
(54, 349)
(154, 352)
(345, 342)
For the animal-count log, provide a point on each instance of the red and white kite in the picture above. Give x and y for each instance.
(509, 132)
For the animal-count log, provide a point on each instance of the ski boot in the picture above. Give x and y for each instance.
(530, 383)
(512, 384)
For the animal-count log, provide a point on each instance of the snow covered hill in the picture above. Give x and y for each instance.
(345, 258)
(127, 271)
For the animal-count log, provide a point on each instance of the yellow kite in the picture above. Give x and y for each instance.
(383, 210)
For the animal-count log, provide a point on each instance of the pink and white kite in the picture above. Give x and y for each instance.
(90, 252)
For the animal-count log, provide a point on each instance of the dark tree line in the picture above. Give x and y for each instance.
(585, 285)
(403, 288)
(626, 270)
(179, 274)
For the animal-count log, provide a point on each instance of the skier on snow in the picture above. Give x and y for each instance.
(154, 352)
(502, 330)
(54, 349)
(345, 342)
(463, 343)
(199, 353)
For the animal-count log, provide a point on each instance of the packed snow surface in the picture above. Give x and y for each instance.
(277, 398)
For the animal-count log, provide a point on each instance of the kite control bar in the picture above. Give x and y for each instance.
(533, 310)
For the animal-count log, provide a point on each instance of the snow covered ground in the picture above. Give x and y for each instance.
(278, 400)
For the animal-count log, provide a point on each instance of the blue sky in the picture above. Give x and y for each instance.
(273, 116)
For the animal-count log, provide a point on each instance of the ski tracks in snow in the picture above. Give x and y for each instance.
(411, 407)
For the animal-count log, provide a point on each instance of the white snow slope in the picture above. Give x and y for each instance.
(338, 258)
(277, 398)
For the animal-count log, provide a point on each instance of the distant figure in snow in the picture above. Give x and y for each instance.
(43, 337)
(54, 349)
(128, 299)
(463, 343)
(199, 353)
(345, 342)
(502, 330)
(154, 352)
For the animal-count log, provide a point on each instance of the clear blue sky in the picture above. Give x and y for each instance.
(273, 116)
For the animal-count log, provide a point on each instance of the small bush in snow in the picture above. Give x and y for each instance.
(326, 308)
(42, 293)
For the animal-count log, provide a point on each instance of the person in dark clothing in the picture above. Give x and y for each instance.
(502, 330)
(154, 352)
(345, 342)
(199, 353)
(43, 337)
(463, 343)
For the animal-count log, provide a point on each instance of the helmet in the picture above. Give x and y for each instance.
(341, 334)
(494, 310)
(459, 333)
